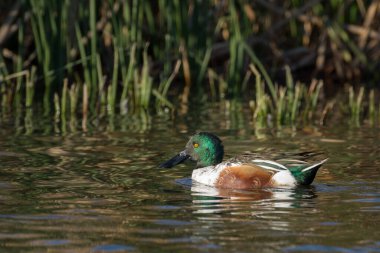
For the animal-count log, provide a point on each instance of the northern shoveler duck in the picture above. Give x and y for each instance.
(207, 150)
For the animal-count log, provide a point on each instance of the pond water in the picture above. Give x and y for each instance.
(101, 191)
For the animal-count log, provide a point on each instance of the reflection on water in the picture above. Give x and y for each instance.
(101, 191)
(270, 197)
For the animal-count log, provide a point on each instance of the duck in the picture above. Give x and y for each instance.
(207, 150)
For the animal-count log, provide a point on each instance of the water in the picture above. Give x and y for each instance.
(102, 192)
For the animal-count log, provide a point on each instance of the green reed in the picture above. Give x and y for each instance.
(260, 107)
(43, 43)
(371, 109)
(29, 92)
(73, 101)
(84, 59)
(93, 46)
(364, 104)
(4, 86)
(355, 105)
(64, 99)
(111, 98)
(19, 60)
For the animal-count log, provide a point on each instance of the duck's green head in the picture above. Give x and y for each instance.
(204, 148)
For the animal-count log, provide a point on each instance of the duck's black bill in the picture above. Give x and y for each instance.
(180, 158)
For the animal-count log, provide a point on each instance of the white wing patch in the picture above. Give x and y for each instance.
(292, 162)
(314, 165)
(267, 164)
(270, 168)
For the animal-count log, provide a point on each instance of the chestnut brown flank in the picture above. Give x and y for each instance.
(245, 176)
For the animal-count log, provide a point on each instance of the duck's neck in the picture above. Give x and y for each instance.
(211, 161)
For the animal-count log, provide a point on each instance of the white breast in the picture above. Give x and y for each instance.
(209, 175)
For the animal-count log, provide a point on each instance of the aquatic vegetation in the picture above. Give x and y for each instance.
(355, 104)
(103, 58)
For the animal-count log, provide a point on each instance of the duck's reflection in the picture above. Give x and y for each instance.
(209, 200)
(271, 209)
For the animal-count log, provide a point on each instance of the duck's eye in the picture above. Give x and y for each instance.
(195, 145)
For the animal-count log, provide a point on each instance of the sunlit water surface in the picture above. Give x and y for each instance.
(102, 192)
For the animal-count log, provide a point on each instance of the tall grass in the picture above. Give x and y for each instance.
(97, 58)
(288, 105)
